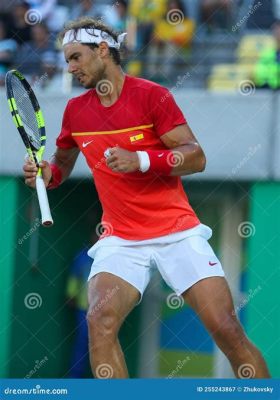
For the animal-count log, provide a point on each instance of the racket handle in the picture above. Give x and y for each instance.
(43, 202)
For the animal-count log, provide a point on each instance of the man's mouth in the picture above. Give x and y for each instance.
(79, 77)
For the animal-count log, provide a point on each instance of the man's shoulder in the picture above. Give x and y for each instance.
(83, 97)
(144, 84)
(147, 91)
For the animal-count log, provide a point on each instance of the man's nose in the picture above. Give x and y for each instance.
(71, 68)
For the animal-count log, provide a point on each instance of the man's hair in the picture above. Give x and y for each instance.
(92, 23)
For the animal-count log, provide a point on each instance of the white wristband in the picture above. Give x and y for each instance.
(144, 161)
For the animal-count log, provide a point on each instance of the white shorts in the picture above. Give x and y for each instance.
(182, 258)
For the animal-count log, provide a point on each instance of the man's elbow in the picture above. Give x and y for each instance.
(201, 162)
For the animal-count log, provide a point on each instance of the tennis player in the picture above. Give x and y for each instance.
(137, 144)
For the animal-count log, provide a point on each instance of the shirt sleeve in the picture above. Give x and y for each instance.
(165, 113)
(65, 139)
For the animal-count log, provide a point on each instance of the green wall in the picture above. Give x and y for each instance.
(262, 310)
(8, 207)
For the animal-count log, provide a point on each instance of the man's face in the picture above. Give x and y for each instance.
(84, 63)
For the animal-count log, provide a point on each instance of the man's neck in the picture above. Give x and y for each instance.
(110, 87)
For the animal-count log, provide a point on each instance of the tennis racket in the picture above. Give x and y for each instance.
(30, 123)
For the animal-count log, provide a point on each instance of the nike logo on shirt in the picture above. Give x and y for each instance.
(85, 144)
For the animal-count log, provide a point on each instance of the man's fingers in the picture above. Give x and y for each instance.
(43, 164)
(30, 174)
(111, 159)
(113, 150)
(114, 166)
(30, 168)
(30, 162)
(30, 171)
(27, 158)
(30, 182)
(110, 152)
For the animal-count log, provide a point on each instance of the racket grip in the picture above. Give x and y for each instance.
(43, 202)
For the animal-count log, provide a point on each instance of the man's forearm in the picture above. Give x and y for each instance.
(64, 161)
(181, 160)
(187, 159)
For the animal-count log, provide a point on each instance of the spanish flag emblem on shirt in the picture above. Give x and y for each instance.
(136, 137)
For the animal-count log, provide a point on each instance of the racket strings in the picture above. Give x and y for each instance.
(26, 112)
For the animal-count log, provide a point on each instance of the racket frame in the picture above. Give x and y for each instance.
(34, 154)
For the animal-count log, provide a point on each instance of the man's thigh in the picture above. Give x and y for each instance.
(212, 301)
(109, 292)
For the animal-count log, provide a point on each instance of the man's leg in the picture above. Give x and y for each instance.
(110, 300)
(212, 301)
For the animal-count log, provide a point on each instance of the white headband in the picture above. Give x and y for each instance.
(92, 36)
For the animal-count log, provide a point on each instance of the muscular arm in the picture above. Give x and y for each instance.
(189, 157)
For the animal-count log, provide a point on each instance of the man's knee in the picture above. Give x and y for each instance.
(103, 322)
(228, 333)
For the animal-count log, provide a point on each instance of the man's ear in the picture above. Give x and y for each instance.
(103, 49)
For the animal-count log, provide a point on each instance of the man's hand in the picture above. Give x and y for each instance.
(30, 171)
(121, 160)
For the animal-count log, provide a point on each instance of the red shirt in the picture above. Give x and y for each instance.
(136, 206)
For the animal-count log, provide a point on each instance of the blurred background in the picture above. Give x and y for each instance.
(221, 61)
